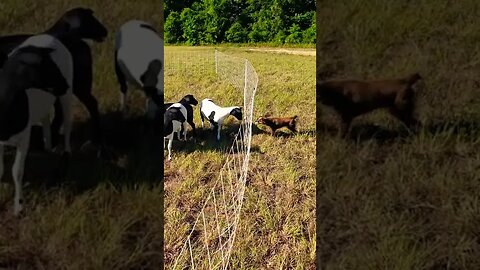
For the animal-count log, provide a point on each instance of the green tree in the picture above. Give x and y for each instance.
(215, 21)
(237, 34)
(173, 28)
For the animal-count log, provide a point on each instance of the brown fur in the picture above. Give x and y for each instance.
(351, 98)
(276, 122)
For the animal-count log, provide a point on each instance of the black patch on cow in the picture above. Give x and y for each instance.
(3, 58)
(15, 117)
(237, 113)
(210, 118)
(168, 117)
(150, 77)
(149, 80)
(149, 27)
(189, 99)
(81, 23)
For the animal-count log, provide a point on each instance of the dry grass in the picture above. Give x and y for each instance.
(386, 199)
(277, 228)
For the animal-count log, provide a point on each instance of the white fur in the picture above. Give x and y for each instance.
(221, 113)
(184, 112)
(136, 48)
(177, 127)
(40, 104)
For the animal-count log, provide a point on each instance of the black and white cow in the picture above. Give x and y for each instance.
(187, 101)
(35, 74)
(3, 58)
(216, 114)
(174, 119)
(139, 61)
(74, 29)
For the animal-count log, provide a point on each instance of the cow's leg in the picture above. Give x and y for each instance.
(56, 123)
(184, 124)
(47, 135)
(91, 104)
(123, 85)
(203, 119)
(170, 142)
(66, 102)
(18, 170)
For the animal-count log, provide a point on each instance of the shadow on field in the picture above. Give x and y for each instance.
(283, 132)
(384, 134)
(205, 140)
(132, 157)
(365, 132)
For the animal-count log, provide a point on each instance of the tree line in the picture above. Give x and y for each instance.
(196, 22)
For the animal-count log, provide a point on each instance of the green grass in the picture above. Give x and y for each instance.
(277, 227)
(106, 214)
(384, 200)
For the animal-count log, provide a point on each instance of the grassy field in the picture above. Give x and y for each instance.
(277, 226)
(108, 213)
(386, 200)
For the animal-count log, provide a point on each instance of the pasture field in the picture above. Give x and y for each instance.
(388, 199)
(277, 224)
(108, 213)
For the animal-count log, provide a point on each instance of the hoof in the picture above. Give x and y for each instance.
(18, 209)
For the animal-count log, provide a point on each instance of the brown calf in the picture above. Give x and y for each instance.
(276, 122)
(351, 98)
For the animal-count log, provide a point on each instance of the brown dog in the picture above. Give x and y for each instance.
(351, 98)
(276, 122)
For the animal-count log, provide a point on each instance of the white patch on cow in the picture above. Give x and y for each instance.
(137, 47)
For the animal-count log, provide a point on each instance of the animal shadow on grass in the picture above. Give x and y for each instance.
(282, 132)
(385, 135)
(205, 140)
(365, 132)
(132, 157)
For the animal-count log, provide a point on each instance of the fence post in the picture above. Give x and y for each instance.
(216, 62)
(246, 85)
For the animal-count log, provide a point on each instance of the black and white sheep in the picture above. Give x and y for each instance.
(174, 120)
(35, 74)
(187, 101)
(216, 114)
(139, 61)
(74, 29)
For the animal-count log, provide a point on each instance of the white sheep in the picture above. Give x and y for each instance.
(174, 120)
(216, 114)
